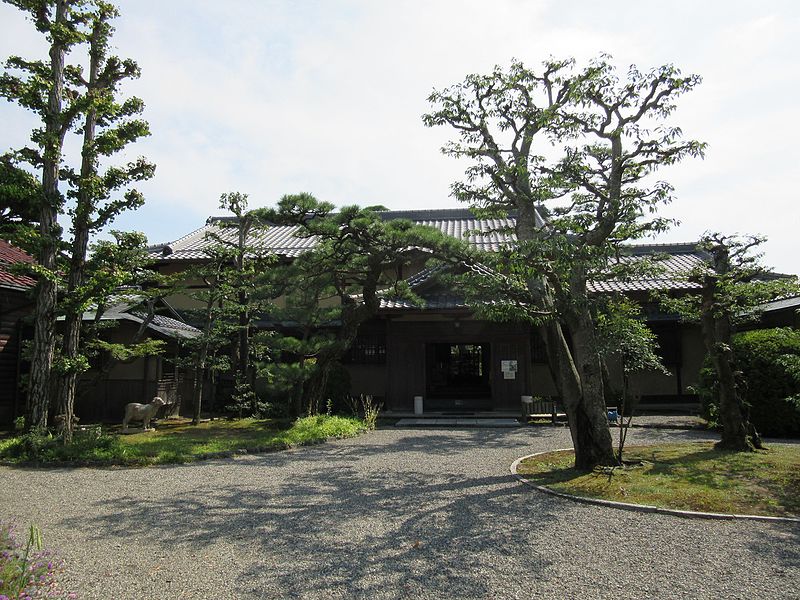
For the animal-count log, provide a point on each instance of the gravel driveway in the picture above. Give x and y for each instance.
(393, 514)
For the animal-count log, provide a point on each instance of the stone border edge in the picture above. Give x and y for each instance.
(642, 508)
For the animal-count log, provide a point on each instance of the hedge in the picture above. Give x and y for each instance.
(769, 363)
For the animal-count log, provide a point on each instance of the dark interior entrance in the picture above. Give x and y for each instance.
(457, 376)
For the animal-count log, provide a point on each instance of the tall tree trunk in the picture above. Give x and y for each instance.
(595, 446)
(81, 225)
(577, 371)
(737, 433)
(200, 364)
(46, 287)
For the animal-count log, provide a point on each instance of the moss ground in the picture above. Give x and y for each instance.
(691, 476)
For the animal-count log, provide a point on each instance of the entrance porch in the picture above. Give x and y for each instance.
(459, 367)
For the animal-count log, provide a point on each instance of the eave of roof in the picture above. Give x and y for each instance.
(11, 255)
(126, 311)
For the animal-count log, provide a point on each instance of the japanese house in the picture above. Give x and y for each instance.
(459, 363)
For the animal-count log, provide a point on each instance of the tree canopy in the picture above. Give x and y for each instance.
(572, 152)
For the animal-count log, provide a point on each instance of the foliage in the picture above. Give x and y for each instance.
(128, 352)
(175, 441)
(71, 96)
(20, 193)
(338, 388)
(371, 411)
(572, 153)
(99, 195)
(27, 571)
(50, 89)
(336, 286)
(732, 284)
(768, 361)
(40, 448)
(245, 401)
(691, 476)
(231, 304)
(623, 334)
(741, 282)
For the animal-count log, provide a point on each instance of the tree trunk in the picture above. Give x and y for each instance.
(69, 378)
(577, 372)
(81, 225)
(46, 288)
(595, 446)
(316, 384)
(737, 433)
(200, 365)
(197, 396)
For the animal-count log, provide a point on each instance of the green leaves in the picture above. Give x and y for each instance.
(733, 282)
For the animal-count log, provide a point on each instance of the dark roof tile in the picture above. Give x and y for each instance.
(10, 255)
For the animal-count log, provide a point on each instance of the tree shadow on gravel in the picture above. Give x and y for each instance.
(323, 530)
(781, 543)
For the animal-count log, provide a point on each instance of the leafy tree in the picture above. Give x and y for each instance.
(119, 271)
(340, 281)
(305, 321)
(623, 335)
(236, 261)
(109, 125)
(768, 378)
(20, 193)
(605, 138)
(42, 87)
(733, 283)
(205, 354)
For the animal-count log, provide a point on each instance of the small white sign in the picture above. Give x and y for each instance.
(509, 375)
(508, 366)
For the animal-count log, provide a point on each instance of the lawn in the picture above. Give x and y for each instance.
(690, 476)
(181, 442)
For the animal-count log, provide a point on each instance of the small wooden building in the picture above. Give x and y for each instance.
(15, 304)
(105, 389)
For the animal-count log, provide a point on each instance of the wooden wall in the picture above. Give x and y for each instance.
(405, 357)
(14, 306)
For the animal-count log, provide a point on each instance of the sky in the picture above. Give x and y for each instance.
(276, 97)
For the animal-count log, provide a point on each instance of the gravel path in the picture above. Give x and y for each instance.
(393, 514)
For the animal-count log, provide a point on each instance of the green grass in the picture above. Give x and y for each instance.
(180, 442)
(684, 476)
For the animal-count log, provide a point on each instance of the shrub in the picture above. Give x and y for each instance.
(337, 388)
(35, 447)
(769, 363)
(26, 570)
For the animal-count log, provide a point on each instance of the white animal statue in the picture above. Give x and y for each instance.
(141, 412)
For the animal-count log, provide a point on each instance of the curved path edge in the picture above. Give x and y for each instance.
(643, 508)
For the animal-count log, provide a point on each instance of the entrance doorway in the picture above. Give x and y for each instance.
(457, 376)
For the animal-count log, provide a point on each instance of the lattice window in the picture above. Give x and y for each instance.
(367, 350)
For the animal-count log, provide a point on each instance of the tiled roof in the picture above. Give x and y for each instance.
(126, 311)
(487, 234)
(277, 239)
(10, 255)
(437, 302)
(784, 304)
(674, 262)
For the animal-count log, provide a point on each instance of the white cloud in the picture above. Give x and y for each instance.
(278, 97)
